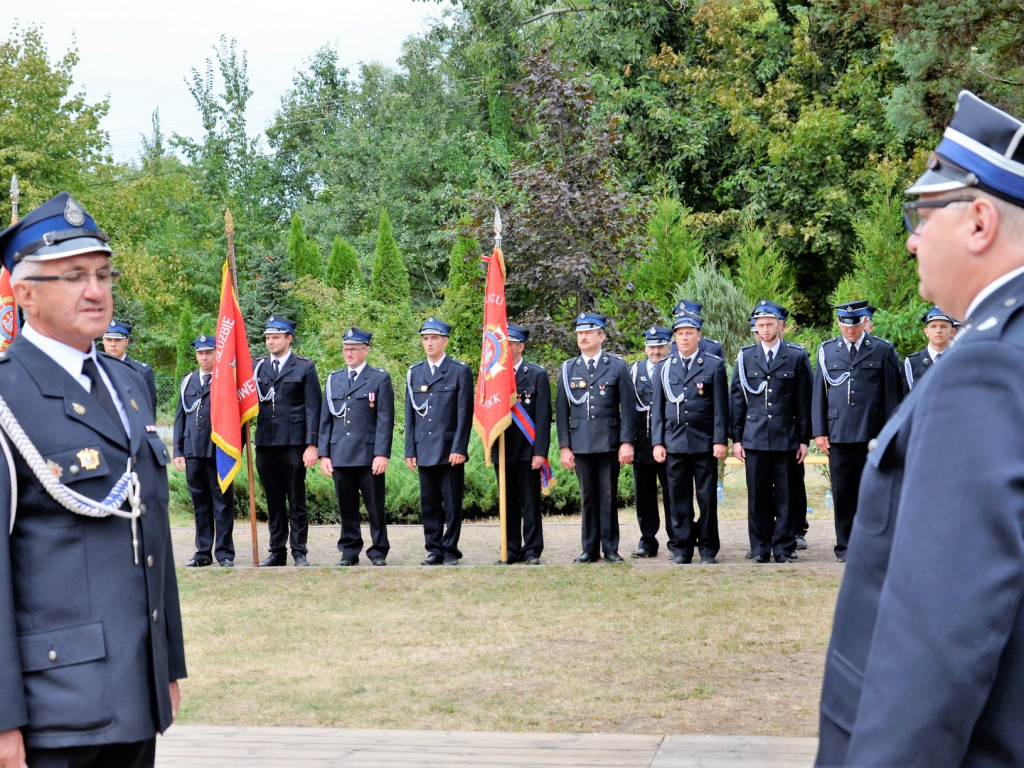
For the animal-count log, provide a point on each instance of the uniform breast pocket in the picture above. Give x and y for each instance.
(66, 685)
(785, 375)
(879, 491)
(72, 467)
(869, 370)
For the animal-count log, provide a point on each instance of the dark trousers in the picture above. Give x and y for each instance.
(441, 490)
(768, 502)
(214, 511)
(598, 475)
(138, 754)
(798, 500)
(283, 477)
(689, 472)
(845, 464)
(523, 529)
(349, 484)
(646, 477)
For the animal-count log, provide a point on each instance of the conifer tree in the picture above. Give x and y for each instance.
(185, 358)
(389, 283)
(303, 255)
(463, 306)
(343, 265)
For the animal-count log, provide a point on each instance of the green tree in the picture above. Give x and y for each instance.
(343, 265)
(389, 283)
(760, 270)
(303, 257)
(50, 136)
(463, 306)
(726, 309)
(676, 246)
(185, 353)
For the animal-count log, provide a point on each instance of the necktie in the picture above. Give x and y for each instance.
(277, 368)
(771, 358)
(99, 391)
(591, 366)
(205, 377)
(853, 351)
(351, 375)
(686, 366)
(938, 356)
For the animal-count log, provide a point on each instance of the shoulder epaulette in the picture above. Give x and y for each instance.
(300, 357)
(748, 346)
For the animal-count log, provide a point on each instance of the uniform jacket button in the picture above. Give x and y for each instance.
(155, 615)
(149, 561)
(52, 655)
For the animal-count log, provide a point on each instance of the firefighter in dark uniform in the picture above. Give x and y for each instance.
(690, 423)
(286, 439)
(116, 339)
(647, 473)
(926, 662)
(91, 642)
(194, 455)
(857, 386)
(938, 329)
(770, 411)
(357, 423)
(707, 345)
(524, 461)
(594, 413)
(438, 422)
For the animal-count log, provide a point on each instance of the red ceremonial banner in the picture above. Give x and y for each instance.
(8, 310)
(233, 396)
(496, 383)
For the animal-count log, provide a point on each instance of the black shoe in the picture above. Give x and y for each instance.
(801, 543)
(273, 561)
(749, 555)
(642, 553)
(301, 560)
(378, 561)
(584, 558)
(226, 562)
(532, 560)
(432, 559)
(613, 557)
(451, 560)
(782, 559)
(793, 556)
(707, 560)
(347, 562)
(679, 560)
(841, 558)
(198, 560)
(761, 558)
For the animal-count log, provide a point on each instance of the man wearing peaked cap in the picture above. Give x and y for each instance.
(926, 662)
(857, 386)
(525, 457)
(594, 414)
(938, 329)
(707, 345)
(357, 423)
(438, 422)
(647, 473)
(286, 439)
(90, 627)
(194, 455)
(115, 343)
(769, 409)
(690, 426)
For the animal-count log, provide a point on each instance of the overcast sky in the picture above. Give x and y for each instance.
(139, 54)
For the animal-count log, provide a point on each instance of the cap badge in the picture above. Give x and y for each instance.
(73, 213)
(89, 458)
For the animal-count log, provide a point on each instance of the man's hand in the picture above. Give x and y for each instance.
(309, 456)
(660, 454)
(175, 699)
(718, 450)
(326, 466)
(801, 452)
(822, 443)
(12, 750)
(626, 453)
(456, 458)
(411, 463)
(380, 465)
(179, 463)
(738, 452)
(537, 462)
(566, 458)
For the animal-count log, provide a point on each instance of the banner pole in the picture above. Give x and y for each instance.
(229, 229)
(502, 512)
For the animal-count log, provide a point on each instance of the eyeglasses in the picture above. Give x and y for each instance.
(79, 277)
(912, 211)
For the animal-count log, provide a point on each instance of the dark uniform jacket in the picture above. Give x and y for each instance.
(855, 410)
(445, 401)
(705, 346)
(925, 665)
(534, 392)
(292, 415)
(192, 430)
(779, 418)
(643, 387)
(915, 365)
(605, 419)
(89, 640)
(143, 370)
(367, 422)
(701, 420)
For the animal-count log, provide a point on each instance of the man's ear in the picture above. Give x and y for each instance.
(985, 225)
